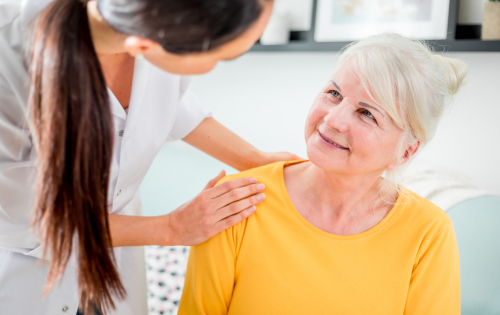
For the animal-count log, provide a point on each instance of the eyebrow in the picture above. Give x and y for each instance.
(336, 85)
(366, 105)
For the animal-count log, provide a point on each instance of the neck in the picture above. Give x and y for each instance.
(341, 195)
(106, 40)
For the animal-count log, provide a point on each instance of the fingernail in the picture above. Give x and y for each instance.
(261, 197)
(251, 209)
(261, 186)
(253, 180)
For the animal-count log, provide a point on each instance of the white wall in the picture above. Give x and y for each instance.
(265, 97)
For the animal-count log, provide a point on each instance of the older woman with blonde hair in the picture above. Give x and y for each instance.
(337, 234)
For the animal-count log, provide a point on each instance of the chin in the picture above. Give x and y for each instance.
(186, 70)
(322, 157)
(322, 160)
(183, 68)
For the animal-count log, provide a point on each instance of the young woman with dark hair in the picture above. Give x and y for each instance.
(107, 88)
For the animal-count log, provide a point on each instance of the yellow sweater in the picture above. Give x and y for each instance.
(276, 262)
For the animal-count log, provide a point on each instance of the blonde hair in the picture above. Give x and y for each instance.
(410, 82)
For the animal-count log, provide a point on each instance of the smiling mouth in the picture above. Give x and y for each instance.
(331, 142)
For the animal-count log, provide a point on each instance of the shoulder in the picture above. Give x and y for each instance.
(433, 235)
(266, 174)
(271, 176)
(424, 213)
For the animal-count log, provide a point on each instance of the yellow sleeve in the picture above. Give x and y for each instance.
(435, 281)
(209, 282)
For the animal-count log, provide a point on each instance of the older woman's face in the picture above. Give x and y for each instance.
(347, 131)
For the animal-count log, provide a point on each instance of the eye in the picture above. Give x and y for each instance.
(367, 113)
(335, 94)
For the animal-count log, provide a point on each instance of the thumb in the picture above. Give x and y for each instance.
(215, 180)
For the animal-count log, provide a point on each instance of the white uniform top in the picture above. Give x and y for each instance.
(161, 110)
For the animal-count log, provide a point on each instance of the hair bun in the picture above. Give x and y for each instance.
(454, 70)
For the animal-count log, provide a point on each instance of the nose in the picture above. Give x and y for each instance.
(338, 117)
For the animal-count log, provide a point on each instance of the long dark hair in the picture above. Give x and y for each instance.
(72, 121)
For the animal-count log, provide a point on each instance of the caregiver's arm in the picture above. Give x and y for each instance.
(216, 140)
(435, 280)
(212, 211)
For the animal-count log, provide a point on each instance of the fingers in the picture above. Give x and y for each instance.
(214, 209)
(238, 206)
(234, 219)
(231, 185)
(215, 180)
(286, 156)
(239, 194)
(295, 157)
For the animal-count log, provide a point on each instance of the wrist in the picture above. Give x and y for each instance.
(260, 158)
(167, 234)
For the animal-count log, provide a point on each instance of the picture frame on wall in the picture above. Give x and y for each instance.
(351, 20)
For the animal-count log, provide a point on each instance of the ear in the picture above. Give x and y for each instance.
(137, 45)
(408, 153)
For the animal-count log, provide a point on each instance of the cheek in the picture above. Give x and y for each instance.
(318, 111)
(379, 146)
(316, 115)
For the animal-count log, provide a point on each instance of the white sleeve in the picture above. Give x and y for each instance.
(190, 113)
(17, 175)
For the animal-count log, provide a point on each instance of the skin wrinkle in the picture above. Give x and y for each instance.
(366, 105)
(360, 103)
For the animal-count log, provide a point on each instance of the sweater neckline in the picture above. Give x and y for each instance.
(309, 226)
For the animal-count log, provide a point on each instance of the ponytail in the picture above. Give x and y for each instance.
(454, 71)
(73, 132)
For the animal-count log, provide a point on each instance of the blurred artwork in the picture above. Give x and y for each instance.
(361, 11)
(347, 20)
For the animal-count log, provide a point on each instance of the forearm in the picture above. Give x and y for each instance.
(209, 213)
(221, 143)
(129, 230)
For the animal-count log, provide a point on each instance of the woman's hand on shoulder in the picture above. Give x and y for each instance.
(213, 210)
